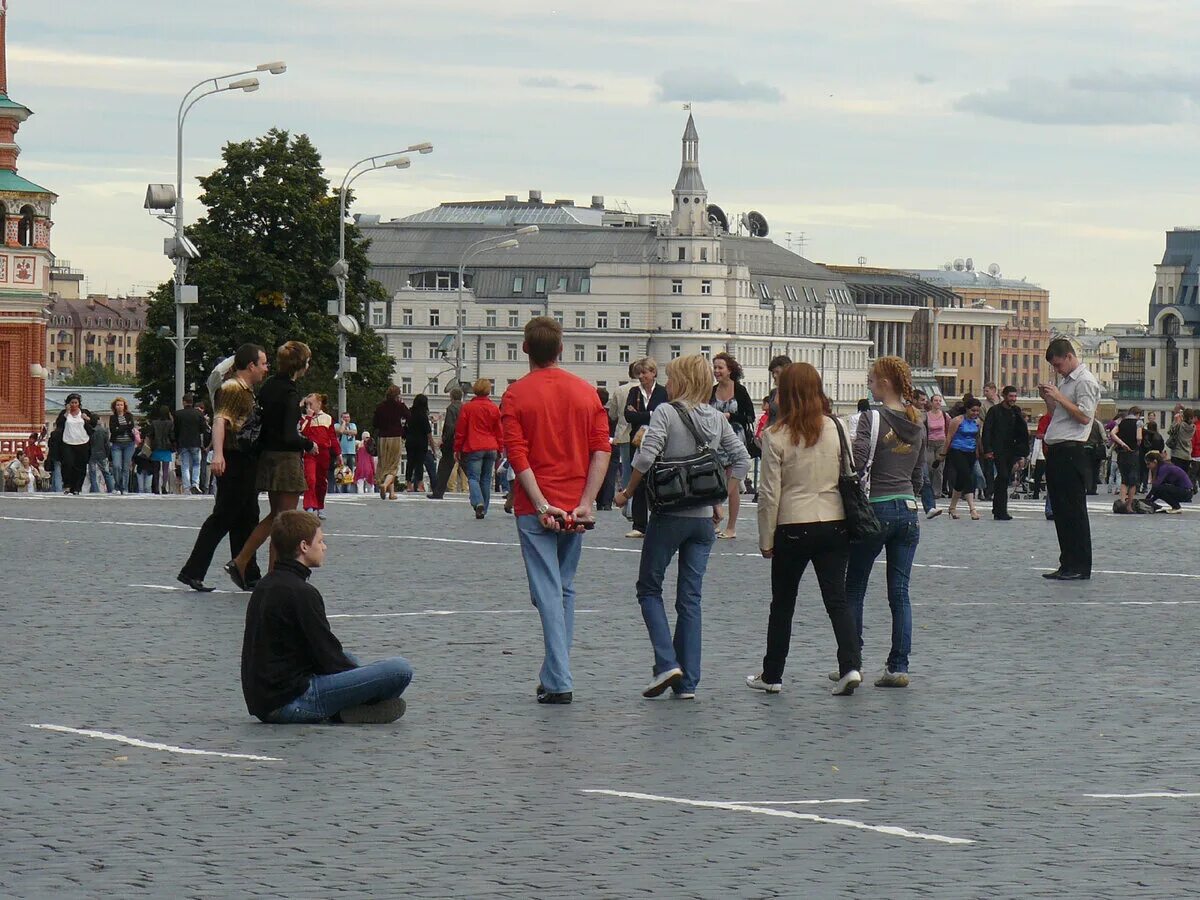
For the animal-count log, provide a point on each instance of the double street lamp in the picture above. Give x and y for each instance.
(161, 197)
(505, 241)
(348, 325)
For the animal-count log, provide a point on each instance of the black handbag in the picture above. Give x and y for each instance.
(861, 522)
(685, 482)
(250, 434)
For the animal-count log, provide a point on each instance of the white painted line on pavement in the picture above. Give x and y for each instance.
(1148, 795)
(894, 830)
(793, 802)
(441, 612)
(151, 745)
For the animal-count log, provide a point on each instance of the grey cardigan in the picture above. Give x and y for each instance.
(667, 435)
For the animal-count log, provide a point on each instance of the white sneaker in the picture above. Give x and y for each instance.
(933, 514)
(847, 683)
(685, 695)
(662, 681)
(756, 683)
(892, 679)
(634, 534)
(1173, 512)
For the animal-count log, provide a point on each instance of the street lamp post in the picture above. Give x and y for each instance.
(183, 250)
(341, 269)
(506, 242)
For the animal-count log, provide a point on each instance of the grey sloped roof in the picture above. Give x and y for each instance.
(689, 180)
(973, 278)
(504, 212)
(577, 246)
(765, 257)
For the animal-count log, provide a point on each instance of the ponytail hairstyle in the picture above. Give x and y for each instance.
(899, 376)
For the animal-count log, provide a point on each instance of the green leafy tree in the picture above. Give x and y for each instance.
(267, 242)
(94, 373)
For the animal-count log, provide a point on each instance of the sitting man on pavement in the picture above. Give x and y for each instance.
(294, 669)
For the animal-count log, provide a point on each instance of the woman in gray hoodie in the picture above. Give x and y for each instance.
(893, 468)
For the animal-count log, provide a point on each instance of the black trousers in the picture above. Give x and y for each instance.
(445, 469)
(1039, 472)
(1068, 470)
(827, 546)
(1000, 482)
(74, 465)
(1169, 494)
(641, 508)
(414, 470)
(235, 513)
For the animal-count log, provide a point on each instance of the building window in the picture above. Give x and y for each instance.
(623, 353)
(585, 285)
(706, 351)
(433, 349)
(490, 318)
(539, 285)
(682, 254)
(675, 351)
(435, 317)
(518, 284)
(706, 287)
(562, 282)
(705, 321)
(406, 350)
(624, 320)
(676, 285)
(1153, 354)
(677, 321)
(406, 317)
(580, 318)
(405, 384)
(378, 315)
(602, 353)
(601, 320)
(462, 317)
(1152, 385)
(512, 352)
(703, 254)
(489, 351)
(558, 316)
(764, 291)
(579, 354)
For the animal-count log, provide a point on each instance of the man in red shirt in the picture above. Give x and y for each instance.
(556, 436)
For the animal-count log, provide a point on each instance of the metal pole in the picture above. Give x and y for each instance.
(341, 283)
(180, 259)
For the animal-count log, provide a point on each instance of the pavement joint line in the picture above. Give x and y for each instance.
(1147, 795)
(893, 830)
(151, 745)
(441, 612)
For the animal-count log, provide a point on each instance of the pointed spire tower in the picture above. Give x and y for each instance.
(689, 214)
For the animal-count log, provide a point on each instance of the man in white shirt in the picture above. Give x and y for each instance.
(1072, 406)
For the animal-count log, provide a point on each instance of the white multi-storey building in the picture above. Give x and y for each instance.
(623, 286)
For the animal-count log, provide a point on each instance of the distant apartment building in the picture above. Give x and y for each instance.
(1095, 347)
(952, 348)
(1160, 365)
(93, 329)
(1023, 340)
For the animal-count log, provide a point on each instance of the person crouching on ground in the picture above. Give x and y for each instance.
(1169, 483)
(294, 669)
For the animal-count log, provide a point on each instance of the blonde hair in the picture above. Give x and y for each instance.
(899, 376)
(690, 379)
(646, 363)
(482, 387)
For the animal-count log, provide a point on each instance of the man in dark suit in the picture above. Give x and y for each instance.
(1005, 443)
(642, 401)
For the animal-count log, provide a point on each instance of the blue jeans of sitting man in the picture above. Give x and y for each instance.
(327, 695)
(899, 538)
(479, 467)
(189, 468)
(692, 537)
(551, 558)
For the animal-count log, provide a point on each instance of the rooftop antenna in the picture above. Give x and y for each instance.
(801, 241)
(862, 261)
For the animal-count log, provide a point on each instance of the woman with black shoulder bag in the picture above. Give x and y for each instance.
(681, 464)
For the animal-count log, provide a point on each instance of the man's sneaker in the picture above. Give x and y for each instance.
(662, 682)
(564, 697)
(685, 695)
(479, 511)
(756, 683)
(374, 713)
(634, 534)
(892, 679)
(847, 683)
(933, 514)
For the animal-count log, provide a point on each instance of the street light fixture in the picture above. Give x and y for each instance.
(181, 250)
(506, 241)
(340, 269)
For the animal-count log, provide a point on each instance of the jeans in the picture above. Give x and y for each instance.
(692, 537)
(189, 468)
(1068, 470)
(122, 462)
(101, 466)
(928, 501)
(899, 538)
(327, 695)
(479, 466)
(551, 558)
(827, 546)
(56, 479)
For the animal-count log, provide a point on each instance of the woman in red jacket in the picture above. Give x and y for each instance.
(477, 442)
(317, 426)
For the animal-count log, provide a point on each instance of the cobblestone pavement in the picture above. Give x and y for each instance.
(1027, 697)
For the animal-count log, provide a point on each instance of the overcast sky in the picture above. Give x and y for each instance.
(1050, 136)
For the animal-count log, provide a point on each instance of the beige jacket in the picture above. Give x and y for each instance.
(798, 483)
